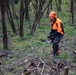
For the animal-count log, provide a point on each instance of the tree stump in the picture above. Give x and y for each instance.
(66, 70)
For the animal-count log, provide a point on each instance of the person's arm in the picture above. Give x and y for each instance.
(50, 34)
(53, 34)
(60, 28)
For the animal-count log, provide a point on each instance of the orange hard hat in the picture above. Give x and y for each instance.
(52, 15)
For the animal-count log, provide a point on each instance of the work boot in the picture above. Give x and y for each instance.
(55, 57)
(57, 53)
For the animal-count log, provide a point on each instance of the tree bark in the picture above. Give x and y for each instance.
(36, 7)
(59, 5)
(48, 10)
(21, 18)
(0, 4)
(51, 4)
(13, 10)
(26, 8)
(72, 11)
(5, 39)
(66, 71)
(16, 1)
(10, 17)
(39, 13)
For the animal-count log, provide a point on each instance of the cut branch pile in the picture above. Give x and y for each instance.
(39, 66)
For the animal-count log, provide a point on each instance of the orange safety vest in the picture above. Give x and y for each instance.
(57, 26)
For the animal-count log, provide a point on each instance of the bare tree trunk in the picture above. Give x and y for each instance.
(49, 8)
(41, 3)
(66, 71)
(38, 13)
(21, 18)
(26, 8)
(56, 4)
(36, 8)
(5, 39)
(16, 1)
(59, 5)
(47, 13)
(10, 17)
(72, 11)
(51, 4)
(36, 20)
(13, 10)
(0, 4)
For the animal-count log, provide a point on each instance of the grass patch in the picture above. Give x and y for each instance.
(72, 73)
(24, 45)
(63, 55)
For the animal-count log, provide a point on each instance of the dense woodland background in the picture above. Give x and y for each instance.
(23, 23)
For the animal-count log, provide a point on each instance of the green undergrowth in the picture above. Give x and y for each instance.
(72, 73)
(32, 45)
(63, 55)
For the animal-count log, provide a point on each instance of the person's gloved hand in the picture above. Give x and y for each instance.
(48, 36)
(48, 41)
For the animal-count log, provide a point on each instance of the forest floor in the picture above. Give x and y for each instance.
(31, 56)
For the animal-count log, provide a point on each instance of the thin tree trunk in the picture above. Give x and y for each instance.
(72, 11)
(0, 4)
(36, 8)
(16, 1)
(21, 18)
(36, 20)
(5, 39)
(66, 71)
(56, 4)
(48, 10)
(13, 10)
(10, 17)
(59, 5)
(37, 17)
(26, 9)
(51, 4)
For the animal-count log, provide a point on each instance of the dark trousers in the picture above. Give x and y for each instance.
(55, 42)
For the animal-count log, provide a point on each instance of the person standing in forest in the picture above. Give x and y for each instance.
(57, 32)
